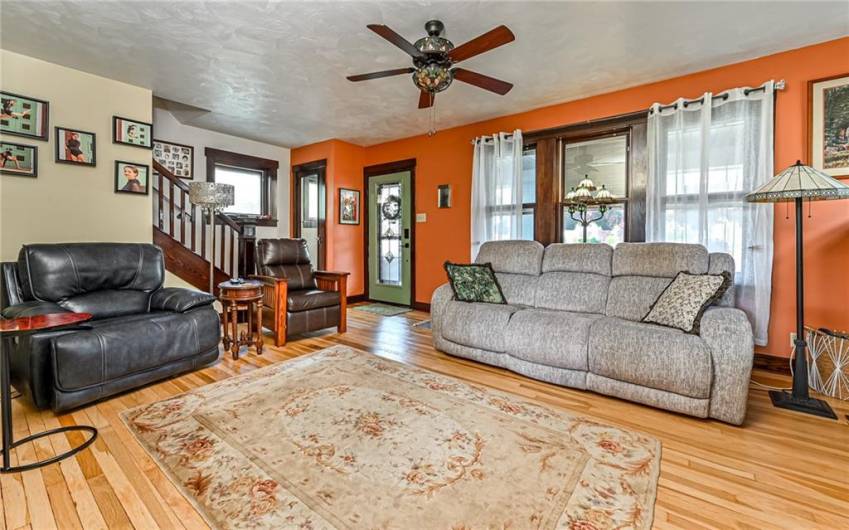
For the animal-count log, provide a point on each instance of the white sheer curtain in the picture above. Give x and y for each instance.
(496, 189)
(703, 159)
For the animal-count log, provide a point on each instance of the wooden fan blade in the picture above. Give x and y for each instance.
(384, 73)
(397, 40)
(426, 99)
(483, 81)
(489, 40)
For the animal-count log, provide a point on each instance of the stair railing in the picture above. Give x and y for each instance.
(175, 216)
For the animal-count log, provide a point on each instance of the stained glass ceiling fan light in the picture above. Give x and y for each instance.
(798, 183)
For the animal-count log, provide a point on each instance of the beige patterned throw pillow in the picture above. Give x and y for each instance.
(683, 302)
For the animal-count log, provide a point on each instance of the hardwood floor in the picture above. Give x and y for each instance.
(781, 470)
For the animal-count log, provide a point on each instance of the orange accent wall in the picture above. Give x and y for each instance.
(446, 158)
(344, 170)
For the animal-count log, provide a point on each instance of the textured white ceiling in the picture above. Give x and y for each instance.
(276, 71)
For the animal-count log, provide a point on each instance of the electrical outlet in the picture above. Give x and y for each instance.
(793, 339)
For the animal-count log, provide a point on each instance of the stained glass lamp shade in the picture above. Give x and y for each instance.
(798, 183)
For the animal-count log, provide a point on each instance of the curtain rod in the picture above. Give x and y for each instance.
(779, 85)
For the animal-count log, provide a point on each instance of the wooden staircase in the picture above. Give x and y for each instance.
(181, 230)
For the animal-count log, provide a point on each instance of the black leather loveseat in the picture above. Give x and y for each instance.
(140, 332)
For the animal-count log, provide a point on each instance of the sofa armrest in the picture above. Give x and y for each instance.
(33, 308)
(179, 300)
(728, 333)
(441, 296)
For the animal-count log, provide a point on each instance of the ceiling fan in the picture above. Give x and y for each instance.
(434, 57)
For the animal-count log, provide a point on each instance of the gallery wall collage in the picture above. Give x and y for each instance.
(29, 118)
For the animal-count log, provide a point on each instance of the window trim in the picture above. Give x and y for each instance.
(268, 181)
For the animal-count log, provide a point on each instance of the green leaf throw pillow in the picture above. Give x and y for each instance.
(474, 283)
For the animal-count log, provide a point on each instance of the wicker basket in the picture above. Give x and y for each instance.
(828, 358)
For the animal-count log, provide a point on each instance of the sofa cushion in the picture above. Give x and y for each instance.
(57, 272)
(651, 356)
(311, 299)
(122, 346)
(631, 297)
(518, 289)
(580, 257)
(552, 338)
(516, 257)
(482, 326)
(109, 303)
(572, 291)
(660, 260)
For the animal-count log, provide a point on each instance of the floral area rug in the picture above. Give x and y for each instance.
(344, 439)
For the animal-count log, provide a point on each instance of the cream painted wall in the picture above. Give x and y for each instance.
(166, 127)
(65, 202)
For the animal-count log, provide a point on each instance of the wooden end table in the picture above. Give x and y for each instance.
(26, 326)
(235, 297)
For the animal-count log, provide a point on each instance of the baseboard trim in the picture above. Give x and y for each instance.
(357, 298)
(421, 306)
(771, 363)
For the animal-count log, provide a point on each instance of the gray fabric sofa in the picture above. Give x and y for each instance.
(573, 315)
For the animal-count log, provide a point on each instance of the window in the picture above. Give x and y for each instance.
(309, 204)
(254, 181)
(605, 162)
(529, 190)
(248, 189)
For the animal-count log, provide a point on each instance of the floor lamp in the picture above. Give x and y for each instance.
(798, 183)
(212, 197)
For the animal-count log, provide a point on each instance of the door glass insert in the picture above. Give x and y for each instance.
(310, 214)
(389, 233)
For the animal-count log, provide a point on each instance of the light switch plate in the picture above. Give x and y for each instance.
(421, 217)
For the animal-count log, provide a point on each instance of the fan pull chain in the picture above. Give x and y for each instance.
(432, 120)
(809, 208)
(786, 210)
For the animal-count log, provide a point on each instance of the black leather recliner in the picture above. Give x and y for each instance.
(140, 332)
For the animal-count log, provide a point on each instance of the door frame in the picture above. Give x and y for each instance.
(319, 167)
(385, 169)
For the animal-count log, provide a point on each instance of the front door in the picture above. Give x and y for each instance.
(390, 216)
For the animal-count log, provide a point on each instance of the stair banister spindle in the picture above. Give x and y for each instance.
(160, 191)
(182, 217)
(171, 208)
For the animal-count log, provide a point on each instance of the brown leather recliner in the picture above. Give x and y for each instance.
(296, 298)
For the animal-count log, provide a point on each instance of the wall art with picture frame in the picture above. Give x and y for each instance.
(132, 132)
(75, 147)
(18, 159)
(131, 177)
(176, 158)
(24, 116)
(828, 125)
(349, 206)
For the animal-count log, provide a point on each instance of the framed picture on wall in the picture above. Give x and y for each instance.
(177, 158)
(24, 116)
(132, 132)
(75, 147)
(131, 177)
(17, 159)
(349, 206)
(828, 125)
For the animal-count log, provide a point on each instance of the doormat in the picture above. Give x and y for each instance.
(382, 309)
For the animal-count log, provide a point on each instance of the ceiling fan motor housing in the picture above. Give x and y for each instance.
(433, 69)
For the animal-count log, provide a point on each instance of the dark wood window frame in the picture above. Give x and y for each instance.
(318, 167)
(268, 183)
(550, 147)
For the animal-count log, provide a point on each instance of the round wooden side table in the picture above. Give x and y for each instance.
(243, 296)
(25, 326)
